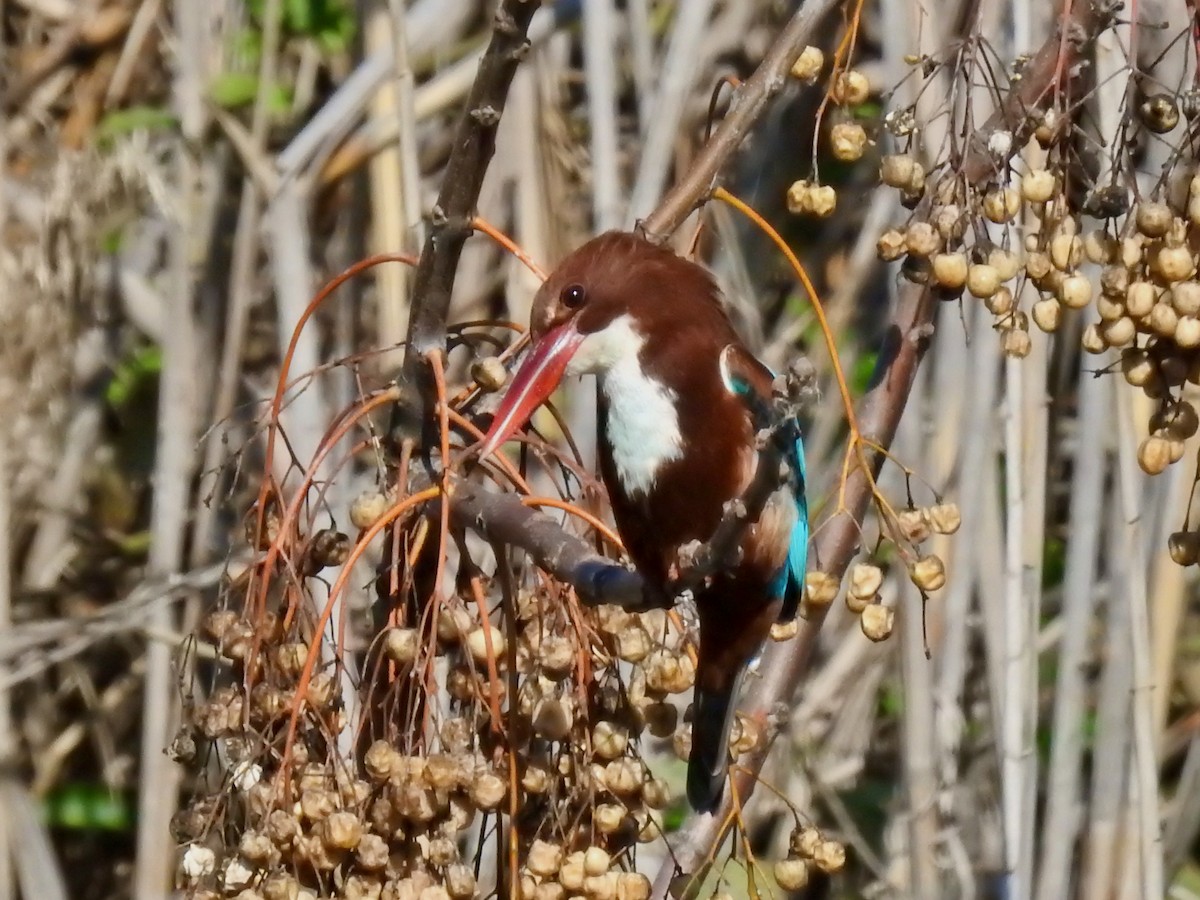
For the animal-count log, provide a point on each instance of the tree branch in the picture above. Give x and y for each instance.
(474, 145)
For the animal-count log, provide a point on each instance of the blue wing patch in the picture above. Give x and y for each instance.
(789, 581)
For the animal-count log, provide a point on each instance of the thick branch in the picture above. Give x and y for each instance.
(749, 103)
(474, 145)
(504, 519)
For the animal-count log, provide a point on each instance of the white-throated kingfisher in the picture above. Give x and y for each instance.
(676, 443)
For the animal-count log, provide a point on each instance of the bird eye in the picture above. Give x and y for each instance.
(573, 296)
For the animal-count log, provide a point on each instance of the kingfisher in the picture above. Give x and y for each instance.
(676, 443)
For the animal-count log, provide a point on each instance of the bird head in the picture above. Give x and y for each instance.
(598, 308)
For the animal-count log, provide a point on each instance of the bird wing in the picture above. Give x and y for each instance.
(746, 377)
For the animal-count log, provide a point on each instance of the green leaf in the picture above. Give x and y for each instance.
(121, 122)
(142, 365)
(88, 807)
(233, 89)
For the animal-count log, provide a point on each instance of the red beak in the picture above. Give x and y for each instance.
(533, 384)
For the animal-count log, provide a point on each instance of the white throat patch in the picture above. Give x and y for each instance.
(643, 424)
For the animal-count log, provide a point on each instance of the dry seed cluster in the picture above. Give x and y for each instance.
(1140, 270)
(927, 572)
(401, 819)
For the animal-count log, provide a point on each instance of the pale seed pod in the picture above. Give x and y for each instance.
(1000, 303)
(487, 790)
(1176, 448)
(596, 861)
(1153, 219)
(681, 742)
(784, 631)
(1017, 343)
(1187, 332)
(1001, 205)
(950, 222)
(857, 604)
(380, 761)
(371, 853)
(1066, 251)
(820, 588)
(341, 831)
(1131, 251)
(443, 771)
(851, 88)
(865, 580)
(944, 518)
(1099, 248)
(489, 373)
(623, 777)
(1119, 332)
(1004, 262)
(1037, 186)
(982, 280)
(367, 508)
(544, 858)
(1174, 263)
(198, 861)
(928, 573)
(913, 525)
(791, 874)
(823, 201)
(478, 640)
(1075, 292)
(890, 245)
(1185, 298)
(460, 881)
(1114, 281)
(1110, 308)
(669, 673)
(656, 794)
(898, 170)
(1154, 454)
(745, 737)
(799, 197)
(1037, 265)
(847, 140)
(804, 841)
(830, 857)
(922, 240)
(876, 621)
(401, 645)
(609, 740)
(1163, 320)
(454, 623)
(1046, 314)
(281, 886)
(608, 817)
(601, 887)
(808, 65)
(557, 657)
(316, 804)
(553, 718)
(1092, 341)
(633, 644)
(1184, 547)
(1141, 298)
(633, 886)
(572, 873)
(1137, 366)
(950, 270)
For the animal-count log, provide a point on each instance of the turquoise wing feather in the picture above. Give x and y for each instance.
(789, 581)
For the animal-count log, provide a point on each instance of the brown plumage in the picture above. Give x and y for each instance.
(652, 326)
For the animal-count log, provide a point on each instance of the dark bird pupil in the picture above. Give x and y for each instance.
(573, 296)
